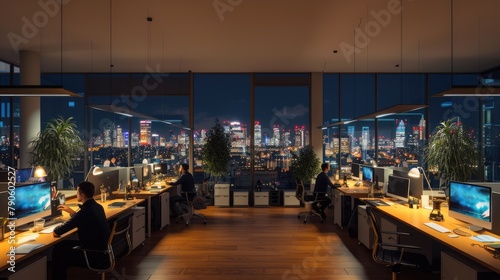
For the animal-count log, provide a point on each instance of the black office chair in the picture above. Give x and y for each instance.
(119, 245)
(307, 200)
(394, 255)
(188, 206)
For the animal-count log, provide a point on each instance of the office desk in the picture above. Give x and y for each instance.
(344, 201)
(49, 240)
(415, 218)
(162, 194)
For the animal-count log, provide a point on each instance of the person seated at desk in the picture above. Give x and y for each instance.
(187, 186)
(93, 232)
(321, 188)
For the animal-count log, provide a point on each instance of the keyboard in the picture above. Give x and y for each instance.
(50, 228)
(26, 238)
(437, 227)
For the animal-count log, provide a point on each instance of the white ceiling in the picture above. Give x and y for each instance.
(253, 35)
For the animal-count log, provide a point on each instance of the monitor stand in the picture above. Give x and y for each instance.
(475, 228)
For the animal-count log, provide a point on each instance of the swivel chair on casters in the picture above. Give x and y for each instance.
(119, 245)
(307, 200)
(394, 255)
(188, 202)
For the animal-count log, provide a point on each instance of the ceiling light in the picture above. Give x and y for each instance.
(34, 90)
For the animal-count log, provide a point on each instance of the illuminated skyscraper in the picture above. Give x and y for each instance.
(237, 138)
(400, 135)
(421, 128)
(365, 140)
(108, 141)
(300, 136)
(276, 135)
(257, 134)
(145, 130)
(120, 141)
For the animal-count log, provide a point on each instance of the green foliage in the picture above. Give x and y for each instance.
(55, 148)
(216, 151)
(306, 164)
(451, 151)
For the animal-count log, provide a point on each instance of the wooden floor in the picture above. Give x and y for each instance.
(252, 243)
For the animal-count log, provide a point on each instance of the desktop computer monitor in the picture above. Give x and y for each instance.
(398, 187)
(355, 169)
(416, 184)
(110, 178)
(368, 175)
(381, 175)
(32, 202)
(23, 174)
(470, 203)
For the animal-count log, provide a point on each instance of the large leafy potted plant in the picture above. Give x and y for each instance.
(56, 147)
(306, 165)
(451, 152)
(216, 151)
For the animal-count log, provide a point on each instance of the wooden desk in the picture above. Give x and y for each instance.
(49, 240)
(148, 195)
(415, 218)
(343, 201)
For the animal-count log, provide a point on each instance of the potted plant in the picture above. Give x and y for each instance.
(451, 152)
(306, 165)
(55, 148)
(216, 151)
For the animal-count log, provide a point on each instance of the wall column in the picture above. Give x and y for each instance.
(29, 106)
(317, 113)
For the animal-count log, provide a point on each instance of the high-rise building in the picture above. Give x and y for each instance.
(365, 140)
(120, 141)
(400, 134)
(257, 134)
(108, 140)
(276, 135)
(300, 136)
(421, 128)
(237, 138)
(145, 130)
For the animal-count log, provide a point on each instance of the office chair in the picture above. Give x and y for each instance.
(119, 245)
(394, 255)
(189, 206)
(307, 200)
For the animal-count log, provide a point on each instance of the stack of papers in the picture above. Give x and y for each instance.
(485, 238)
(27, 248)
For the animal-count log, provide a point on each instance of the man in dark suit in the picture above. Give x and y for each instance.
(321, 189)
(93, 232)
(187, 186)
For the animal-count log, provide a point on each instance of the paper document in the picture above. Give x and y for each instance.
(485, 238)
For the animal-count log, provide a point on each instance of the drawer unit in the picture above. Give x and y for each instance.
(221, 195)
(365, 232)
(289, 199)
(138, 227)
(261, 198)
(240, 198)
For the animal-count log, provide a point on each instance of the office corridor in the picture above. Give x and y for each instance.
(251, 243)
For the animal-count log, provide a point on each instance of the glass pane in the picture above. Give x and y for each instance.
(283, 115)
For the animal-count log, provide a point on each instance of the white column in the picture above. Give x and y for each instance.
(317, 113)
(29, 106)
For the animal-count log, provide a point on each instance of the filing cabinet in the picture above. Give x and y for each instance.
(221, 195)
(261, 198)
(138, 227)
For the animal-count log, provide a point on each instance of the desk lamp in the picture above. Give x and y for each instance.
(436, 203)
(39, 172)
(96, 170)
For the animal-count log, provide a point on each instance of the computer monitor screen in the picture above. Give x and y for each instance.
(470, 203)
(110, 178)
(398, 187)
(416, 184)
(4, 199)
(355, 171)
(23, 174)
(381, 175)
(32, 202)
(368, 173)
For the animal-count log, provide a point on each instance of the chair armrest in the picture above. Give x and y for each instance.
(79, 248)
(396, 232)
(401, 246)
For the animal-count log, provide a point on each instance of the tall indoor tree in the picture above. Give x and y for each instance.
(216, 151)
(56, 147)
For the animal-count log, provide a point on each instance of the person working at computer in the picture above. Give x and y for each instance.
(321, 188)
(93, 233)
(187, 186)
